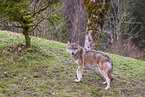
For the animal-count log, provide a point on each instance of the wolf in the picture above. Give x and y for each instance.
(92, 59)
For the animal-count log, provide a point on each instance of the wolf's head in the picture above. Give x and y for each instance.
(72, 48)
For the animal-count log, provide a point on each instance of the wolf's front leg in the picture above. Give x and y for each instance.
(79, 74)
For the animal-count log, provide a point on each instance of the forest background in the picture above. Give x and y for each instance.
(123, 31)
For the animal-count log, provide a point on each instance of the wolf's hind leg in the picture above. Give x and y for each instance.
(103, 76)
(110, 75)
(104, 73)
(79, 74)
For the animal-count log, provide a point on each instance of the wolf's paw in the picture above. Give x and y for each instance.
(77, 80)
(104, 83)
(106, 88)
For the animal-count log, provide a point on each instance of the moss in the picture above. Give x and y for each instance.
(96, 15)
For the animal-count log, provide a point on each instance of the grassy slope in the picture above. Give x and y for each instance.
(49, 71)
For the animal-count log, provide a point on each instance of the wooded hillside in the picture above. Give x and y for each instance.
(62, 20)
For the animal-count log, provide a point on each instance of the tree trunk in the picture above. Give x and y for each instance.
(27, 37)
(97, 11)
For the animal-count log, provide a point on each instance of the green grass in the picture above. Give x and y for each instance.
(47, 70)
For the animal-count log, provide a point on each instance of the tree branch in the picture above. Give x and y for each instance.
(10, 19)
(40, 10)
(35, 25)
(17, 26)
(4, 20)
(35, 7)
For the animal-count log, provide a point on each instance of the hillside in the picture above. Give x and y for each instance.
(46, 69)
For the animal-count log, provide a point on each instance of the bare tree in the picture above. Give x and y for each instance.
(76, 19)
(118, 29)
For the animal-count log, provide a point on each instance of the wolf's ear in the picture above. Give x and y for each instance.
(68, 42)
(76, 42)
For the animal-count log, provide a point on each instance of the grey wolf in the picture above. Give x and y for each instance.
(92, 59)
